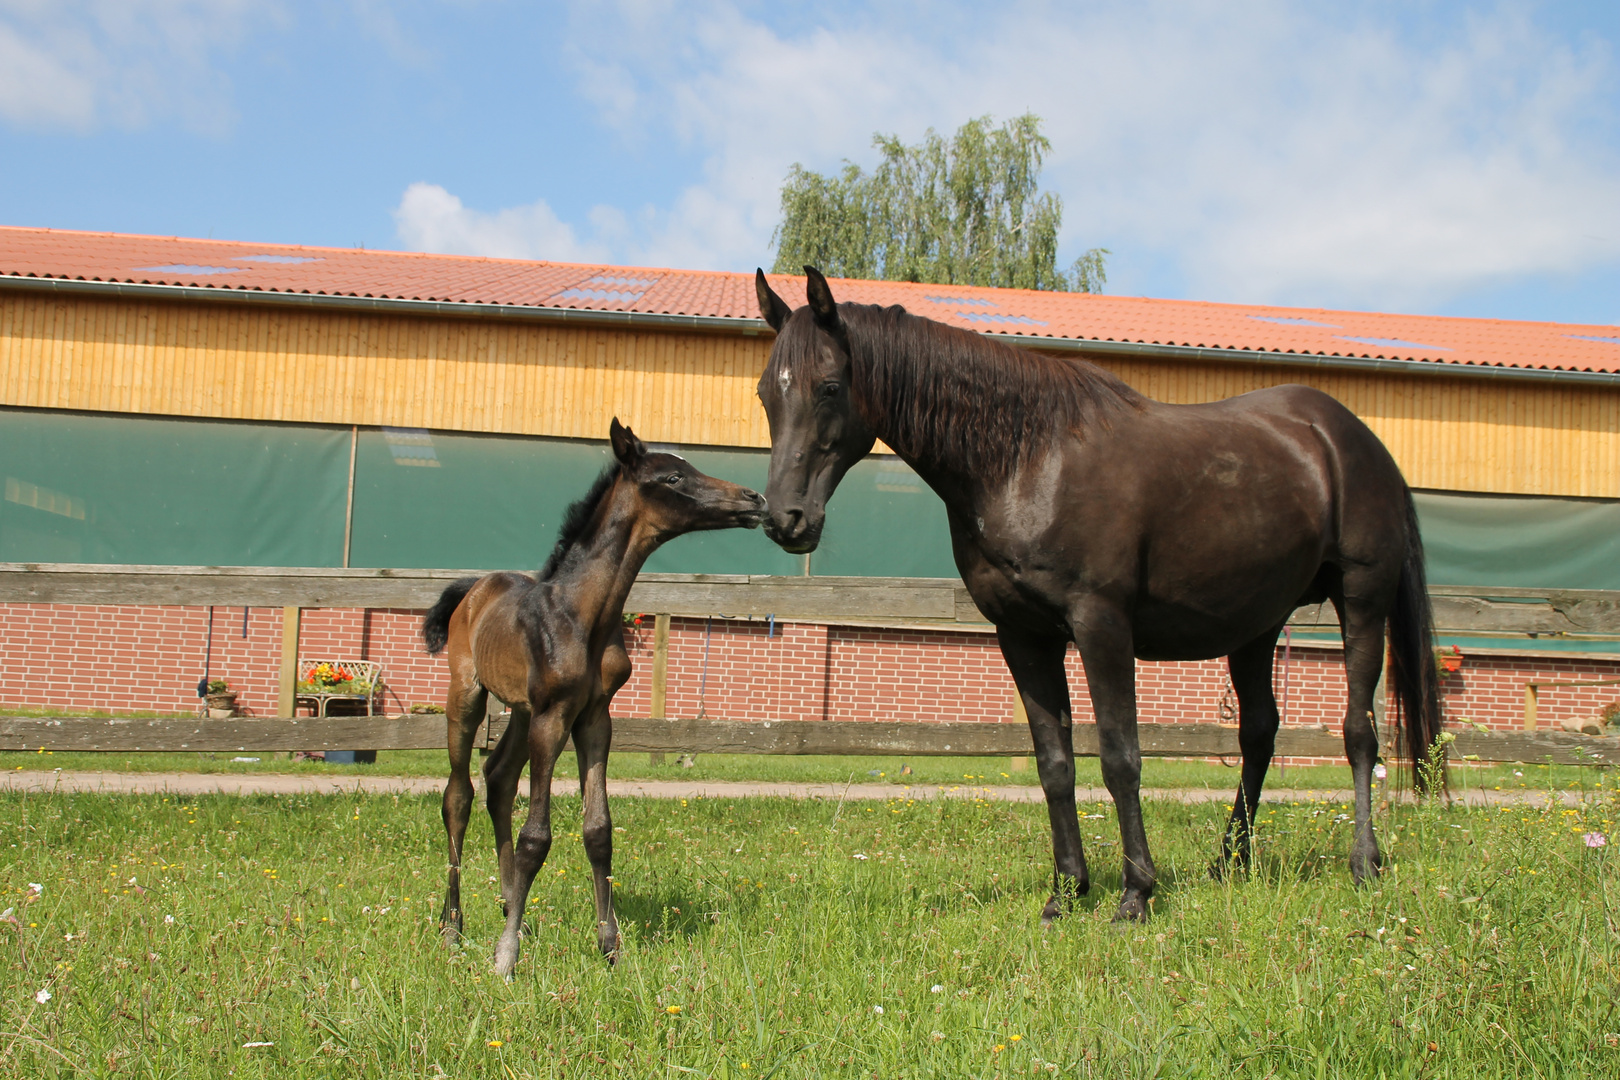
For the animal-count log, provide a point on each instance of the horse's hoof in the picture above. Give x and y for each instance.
(506, 955)
(1132, 908)
(1051, 913)
(1364, 871)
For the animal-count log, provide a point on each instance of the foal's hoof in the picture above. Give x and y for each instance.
(1132, 908)
(1366, 868)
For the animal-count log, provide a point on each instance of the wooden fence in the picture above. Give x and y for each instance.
(932, 603)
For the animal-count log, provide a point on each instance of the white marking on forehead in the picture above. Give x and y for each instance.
(784, 377)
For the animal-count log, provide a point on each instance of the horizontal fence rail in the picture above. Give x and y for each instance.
(638, 734)
(924, 602)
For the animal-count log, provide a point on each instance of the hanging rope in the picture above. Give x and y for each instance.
(703, 682)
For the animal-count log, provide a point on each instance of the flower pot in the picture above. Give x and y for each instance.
(222, 706)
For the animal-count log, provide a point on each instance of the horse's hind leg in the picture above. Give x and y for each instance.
(1037, 668)
(1362, 623)
(1250, 667)
(548, 735)
(502, 771)
(591, 738)
(464, 709)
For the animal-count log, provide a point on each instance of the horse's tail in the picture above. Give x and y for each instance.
(1411, 649)
(436, 623)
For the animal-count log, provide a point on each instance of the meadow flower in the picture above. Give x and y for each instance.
(496, 1043)
(1595, 839)
(36, 888)
(673, 1009)
(43, 996)
(878, 1009)
(10, 915)
(1379, 771)
(859, 856)
(936, 988)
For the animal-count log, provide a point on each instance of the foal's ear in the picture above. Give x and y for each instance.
(822, 304)
(626, 447)
(772, 308)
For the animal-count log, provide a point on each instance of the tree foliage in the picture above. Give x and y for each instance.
(964, 211)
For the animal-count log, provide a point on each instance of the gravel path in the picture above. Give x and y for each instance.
(117, 783)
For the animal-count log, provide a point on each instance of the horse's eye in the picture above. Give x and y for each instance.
(673, 478)
(830, 389)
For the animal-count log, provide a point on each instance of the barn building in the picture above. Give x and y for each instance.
(190, 402)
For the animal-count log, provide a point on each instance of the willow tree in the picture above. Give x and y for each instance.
(963, 211)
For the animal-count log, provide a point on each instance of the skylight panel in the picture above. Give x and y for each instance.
(1284, 321)
(611, 295)
(195, 271)
(1589, 337)
(959, 301)
(288, 260)
(985, 316)
(1391, 343)
(632, 282)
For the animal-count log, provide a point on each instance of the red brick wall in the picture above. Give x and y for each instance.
(150, 658)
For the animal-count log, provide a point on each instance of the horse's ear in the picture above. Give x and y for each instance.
(822, 304)
(626, 447)
(772, 308)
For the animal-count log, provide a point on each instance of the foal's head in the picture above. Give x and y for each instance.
(817, 433)
(673, 497)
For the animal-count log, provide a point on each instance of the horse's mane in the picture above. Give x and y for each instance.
(952, 398)
(577, 518)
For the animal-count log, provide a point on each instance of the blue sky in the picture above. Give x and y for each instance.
(1451, 158)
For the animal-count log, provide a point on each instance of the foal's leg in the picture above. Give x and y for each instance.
(1362, 624)
(502, 771)
(1103, 633)
(548, 735)
(1037, 667)
(464, 709)
(1250, 667)
(591, 738)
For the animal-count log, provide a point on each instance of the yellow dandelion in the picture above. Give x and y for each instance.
(673, 1009)
(496, 1043)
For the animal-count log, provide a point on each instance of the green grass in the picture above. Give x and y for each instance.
(758, 943)
(925, 771)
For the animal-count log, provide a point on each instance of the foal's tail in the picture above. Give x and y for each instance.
(1411, 652)
(436, 623)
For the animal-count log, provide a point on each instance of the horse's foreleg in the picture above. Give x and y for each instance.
(463, 710)
(591, 738)
(1037, 668)
(1250, 668)
(1103, 633)
(548, 734)
(1363, 662)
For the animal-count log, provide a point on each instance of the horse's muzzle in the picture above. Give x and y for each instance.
(792, 531)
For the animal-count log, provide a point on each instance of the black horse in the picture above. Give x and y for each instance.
(1082, 511)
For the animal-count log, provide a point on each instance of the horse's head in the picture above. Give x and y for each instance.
(817, 433)
(677, 498)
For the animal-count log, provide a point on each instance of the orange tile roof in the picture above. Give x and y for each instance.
(229, 265)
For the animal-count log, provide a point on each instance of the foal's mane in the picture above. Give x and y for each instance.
(950, 397)
(577, 518)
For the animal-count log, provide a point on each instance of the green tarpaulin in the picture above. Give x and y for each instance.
(83, 487)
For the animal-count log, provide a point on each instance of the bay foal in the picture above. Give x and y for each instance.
(552, 648)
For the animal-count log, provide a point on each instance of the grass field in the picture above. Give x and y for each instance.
(797, 939)
(927, 771)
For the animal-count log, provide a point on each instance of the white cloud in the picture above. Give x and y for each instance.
(79, 67)
(429, 218)
(1262, 151)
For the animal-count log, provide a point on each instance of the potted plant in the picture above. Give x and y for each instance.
(1448, 659)
(221, 700)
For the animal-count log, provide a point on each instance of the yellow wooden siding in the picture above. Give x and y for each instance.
(188, 359)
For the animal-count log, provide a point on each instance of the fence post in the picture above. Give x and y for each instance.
(660, 676)
(1020, 716)
(287, 704)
